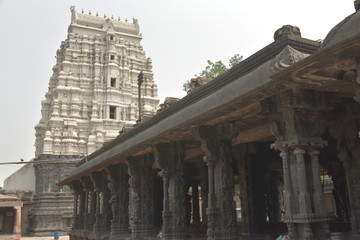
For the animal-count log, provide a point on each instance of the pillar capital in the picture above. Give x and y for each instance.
(313, 152)
(299, 151)
(87, 183)
(164, 174)
(99, 180)
(167, 155)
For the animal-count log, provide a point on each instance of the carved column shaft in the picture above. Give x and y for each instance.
(288, 194)
(100, 184)
(169, 157)
(304, 200)
(118, 185)
(318, 195)
(221, 214)
(76, 188)
(141, 206)
(166, 214)
(81, 210)
(89, 203)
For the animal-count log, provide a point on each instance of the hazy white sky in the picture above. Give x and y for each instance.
(179, 36)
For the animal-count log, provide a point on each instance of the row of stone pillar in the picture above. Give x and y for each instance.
(122, 195)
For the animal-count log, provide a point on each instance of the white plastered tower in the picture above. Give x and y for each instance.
(93, 92)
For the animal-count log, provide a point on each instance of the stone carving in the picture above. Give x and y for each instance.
(113, 200)
(287, 30)
(141, 208)
(169, 157)
(286, 58)
(357, 5)
(216, 145)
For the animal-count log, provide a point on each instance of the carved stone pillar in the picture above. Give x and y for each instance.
(304, 199)
(169, 157)
(297, 123)
(318, 196)
(119, 200)
(348, 148)
(166, 213)
(90, 203)
(81, 217)
(221, 212)
(77, 188)
(141, 205)
(102, 219)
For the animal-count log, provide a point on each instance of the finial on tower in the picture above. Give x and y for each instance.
(73, 13)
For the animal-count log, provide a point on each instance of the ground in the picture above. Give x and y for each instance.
(11, 237)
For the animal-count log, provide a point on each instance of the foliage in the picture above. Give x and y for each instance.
(214, 69)
(235, 60)
(186, 86)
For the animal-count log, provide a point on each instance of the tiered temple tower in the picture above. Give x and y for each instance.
(93, 92)
(92, 95)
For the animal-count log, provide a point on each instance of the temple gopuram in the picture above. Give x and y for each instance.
(270, 147)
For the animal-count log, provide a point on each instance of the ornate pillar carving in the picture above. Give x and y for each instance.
(221, 213)
(297, 123)
(77, 188)
(304, 199)
(318, 196)
(166, 213)
(102, 219)
(141, 205)
(81, 209)
(348, 148)
(90, 203)
(169, 157)
(119, 200)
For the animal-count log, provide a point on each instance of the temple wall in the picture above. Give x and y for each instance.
(22, 179)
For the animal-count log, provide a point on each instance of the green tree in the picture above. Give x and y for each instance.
(235, 60)
(214, 69)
